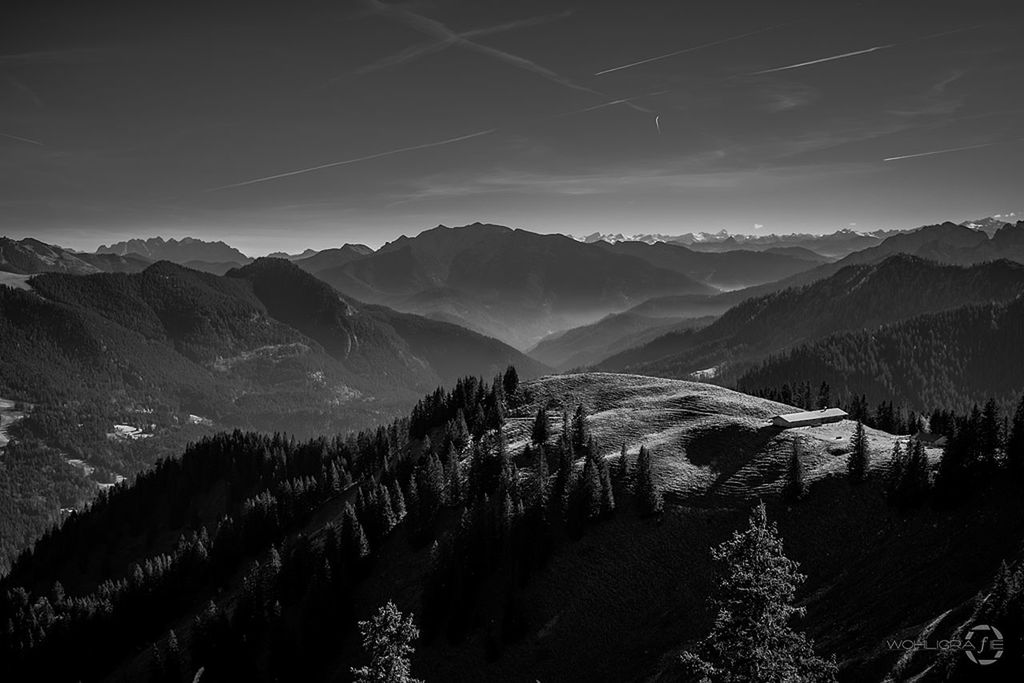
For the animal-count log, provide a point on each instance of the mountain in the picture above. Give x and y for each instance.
(857, 297)
(176, 352)
(29, 256)
(587, 345)
(332, 258)
(956, 359)
(177, 251)
(267, 578)
(832, 245)
(728, 270)
(515, 285)
(293, 257)
(991, 224)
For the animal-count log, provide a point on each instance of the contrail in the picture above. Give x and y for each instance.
(657, 124)
(939, 151)
(417, 51)
(21, 139)
(823, 59)
(612, 103)
(435, 28)
(684, 51)
(355, 160)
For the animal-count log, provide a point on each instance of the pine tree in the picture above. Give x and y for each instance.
(541, 429)
(622, 466)
(580, 433)
(397, 500)
(590, 489)
(171, 663)
(751, 640)
(456, 495)
(824, 395)
(795, 486)
(459, 430)
(430, 485)
(387, 640)
(647, 494)
(897, 470)
(355, 546)
(510, 382)
(1015, 442)
(859, 459)
(540, 476)
(607, 488)
(918, 479)
(990, 437)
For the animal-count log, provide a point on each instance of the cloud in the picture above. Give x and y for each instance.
(416, 51)
(354, 160)
(684, 51)
(787, 96)
(21, 139)
(939, 151)
(694, 173)
(443, 33)
(800, 65)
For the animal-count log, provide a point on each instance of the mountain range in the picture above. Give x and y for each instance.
(177, 353)
(856, 297)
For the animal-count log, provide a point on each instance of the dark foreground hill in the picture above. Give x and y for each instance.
(170, 354)
(263, 573)
(856, 298)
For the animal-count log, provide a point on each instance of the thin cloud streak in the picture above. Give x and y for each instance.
(21, 139)
(685, 51)
(941, 151)
(417, 51)
(435, 28)
(346, 162)
(845, 55)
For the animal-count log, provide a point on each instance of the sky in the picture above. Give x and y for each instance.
(307, 124)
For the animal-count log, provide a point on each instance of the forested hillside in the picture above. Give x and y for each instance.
(513, 521)
(954, 359)
(170, 354)
(856, 298)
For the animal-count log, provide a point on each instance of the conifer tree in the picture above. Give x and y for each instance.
(430, 485)
(540, 475)
(459, 430)
(355, 545)
(796, 488)
(171, 662)
(622, 466)
(510, 382)
(824, 395)
(647, 494)
(387, 641)
(751, 640)
(607, 488)
(1015, 442)
(897, 470)
(397, 500)
(456, 494)
(541, 429)
(859, 459)
(990, 437)
(580, 434)
(590, 490)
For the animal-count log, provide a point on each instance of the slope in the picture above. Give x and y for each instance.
(956, 358)
(857, 297)
(617, 603)
(512, 284)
